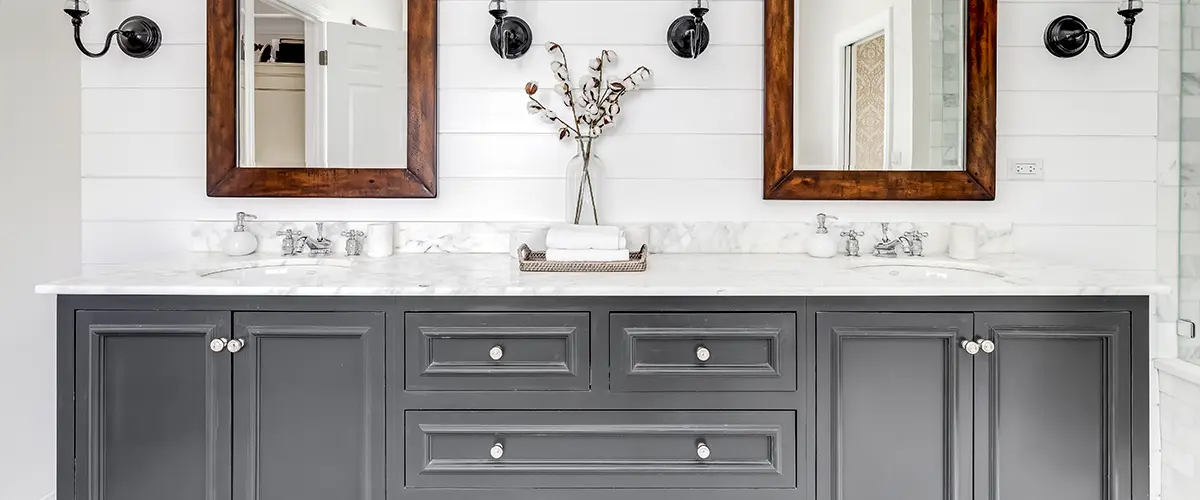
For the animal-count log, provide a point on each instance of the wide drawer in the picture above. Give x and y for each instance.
(600, 449)
(497, 351)
(743, 352)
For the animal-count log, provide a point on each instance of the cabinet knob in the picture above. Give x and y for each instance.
(217, 345)
(235, 345)
(970, 346)
(702, 451)
(702, 353)
(497, 451)
(496, 352)
(986, 346)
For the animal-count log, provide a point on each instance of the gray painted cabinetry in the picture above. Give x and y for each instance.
(603, 398)
(995, 406)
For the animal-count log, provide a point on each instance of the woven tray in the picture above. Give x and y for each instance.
(536, 262)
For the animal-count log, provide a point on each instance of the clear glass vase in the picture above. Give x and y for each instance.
(585, 178)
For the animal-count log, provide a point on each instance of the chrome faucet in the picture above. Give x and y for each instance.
(316, 247)
(910, 244)
(289, 246)
(916, 248)
(887, 247)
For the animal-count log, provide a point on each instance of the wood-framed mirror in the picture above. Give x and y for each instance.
(880, 100)
(322, 99)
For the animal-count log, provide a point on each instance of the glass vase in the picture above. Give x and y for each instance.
(585, 178)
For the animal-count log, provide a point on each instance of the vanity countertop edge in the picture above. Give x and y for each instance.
(667, 275)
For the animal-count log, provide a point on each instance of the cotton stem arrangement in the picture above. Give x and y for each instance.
(595, 103)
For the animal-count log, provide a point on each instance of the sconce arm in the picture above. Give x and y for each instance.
(1128, 40)
(107, 43)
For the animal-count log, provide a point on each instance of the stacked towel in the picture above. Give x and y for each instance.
(586, 243)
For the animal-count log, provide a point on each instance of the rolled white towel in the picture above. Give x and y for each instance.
(589, 255)
(572, 237)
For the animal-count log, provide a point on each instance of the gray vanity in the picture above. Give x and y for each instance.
(598, 398)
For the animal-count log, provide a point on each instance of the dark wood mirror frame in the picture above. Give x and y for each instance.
(226, 179)
(976, 182)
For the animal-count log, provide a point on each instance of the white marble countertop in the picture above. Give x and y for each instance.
(668, 275)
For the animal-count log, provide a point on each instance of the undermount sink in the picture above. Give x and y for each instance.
(940, 272)
(287, 271)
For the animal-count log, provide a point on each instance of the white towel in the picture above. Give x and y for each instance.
(562, 255)
(572, 237)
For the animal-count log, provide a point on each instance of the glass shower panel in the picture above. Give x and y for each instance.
(1180, 46)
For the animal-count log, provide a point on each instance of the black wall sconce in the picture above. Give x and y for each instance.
(139, 37)
(510, 36)
(1068, 36)
(688, 35)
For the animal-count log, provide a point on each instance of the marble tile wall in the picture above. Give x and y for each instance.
(666, 237)
(945, 93)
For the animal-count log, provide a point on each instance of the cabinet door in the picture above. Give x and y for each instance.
(894, 400)
(1054, 410)
(152, 406)
(308, 406)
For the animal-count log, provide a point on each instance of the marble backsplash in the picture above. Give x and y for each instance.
(664, 237)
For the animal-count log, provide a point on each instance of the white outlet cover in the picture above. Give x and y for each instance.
(1025, 169)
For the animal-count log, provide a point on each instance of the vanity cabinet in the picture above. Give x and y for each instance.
(152, 406)
(986, 406)
(721, 398)
(229, 405)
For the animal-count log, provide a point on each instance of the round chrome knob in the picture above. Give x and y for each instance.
(986, 346)
(217, 345)
(702, 451)
(235, 345)
(702, 353)
(497, 451)
(971, 347)
(496, 352)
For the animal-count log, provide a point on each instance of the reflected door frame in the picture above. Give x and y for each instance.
(313, 16)
(843, 44)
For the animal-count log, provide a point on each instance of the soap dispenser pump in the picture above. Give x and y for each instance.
(822, 245)
(240, 241)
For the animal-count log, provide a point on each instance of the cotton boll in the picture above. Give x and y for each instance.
(594, 65)
(533, 108)
(608, 56)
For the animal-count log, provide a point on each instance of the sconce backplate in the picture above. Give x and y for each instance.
(679, 37)
(140, 37)
(1067, 36)
(520, 37)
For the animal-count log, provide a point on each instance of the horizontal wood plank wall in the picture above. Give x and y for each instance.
(669, 160)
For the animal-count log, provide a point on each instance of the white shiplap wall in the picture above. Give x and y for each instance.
(689, 149)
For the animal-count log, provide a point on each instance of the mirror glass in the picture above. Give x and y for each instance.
(878, 85)
(323, 84)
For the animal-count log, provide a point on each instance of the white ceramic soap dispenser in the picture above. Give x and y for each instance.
(240, 241)
(822, 245)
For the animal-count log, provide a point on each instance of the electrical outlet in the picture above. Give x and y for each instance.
(1025, 169)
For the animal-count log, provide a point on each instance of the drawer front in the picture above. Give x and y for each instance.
(601, 449)
(703, 352)
(497, 351)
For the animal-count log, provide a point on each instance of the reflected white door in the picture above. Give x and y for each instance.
(367, 96)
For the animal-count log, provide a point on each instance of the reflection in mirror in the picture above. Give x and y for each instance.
(323, 84)
(878, 85)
